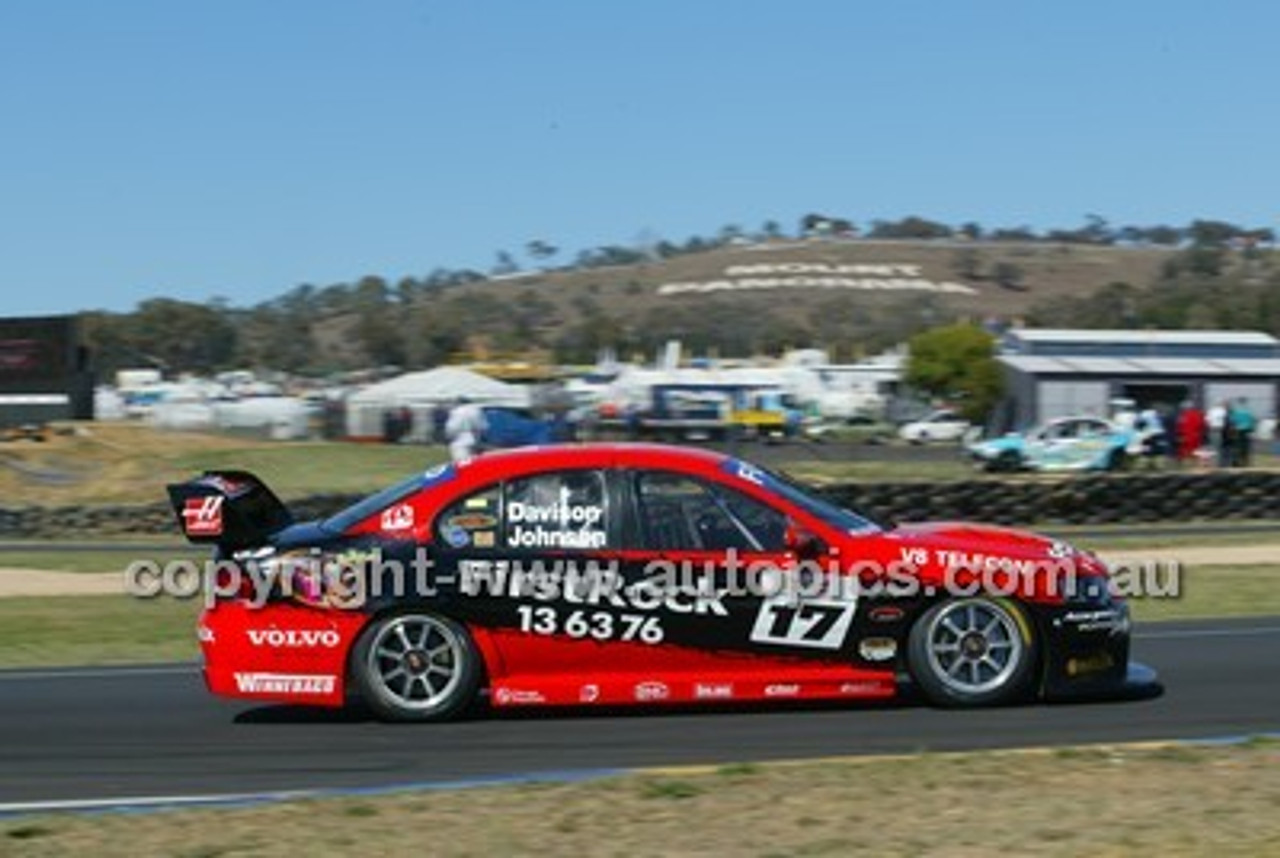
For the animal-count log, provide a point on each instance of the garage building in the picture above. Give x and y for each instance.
(1054, 372)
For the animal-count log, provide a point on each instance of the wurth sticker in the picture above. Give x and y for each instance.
(203, 516)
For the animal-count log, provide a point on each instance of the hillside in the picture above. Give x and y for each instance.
(850, 296)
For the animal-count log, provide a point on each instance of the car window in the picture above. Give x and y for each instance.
(679, 513)
(472, 521)
(557, 510)
(1058, 431)
(375, 503)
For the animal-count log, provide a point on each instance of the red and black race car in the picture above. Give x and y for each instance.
(635, 574)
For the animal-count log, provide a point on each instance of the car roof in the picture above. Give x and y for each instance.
(595, 455)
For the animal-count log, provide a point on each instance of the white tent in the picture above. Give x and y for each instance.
(420, 392)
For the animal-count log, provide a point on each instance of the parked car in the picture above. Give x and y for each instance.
(941, 425)
(1064, 444)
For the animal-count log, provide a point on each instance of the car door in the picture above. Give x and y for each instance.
(520, 554)
(731, 579)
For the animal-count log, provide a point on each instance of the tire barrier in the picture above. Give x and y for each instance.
(1016, 501)
(1095, 499)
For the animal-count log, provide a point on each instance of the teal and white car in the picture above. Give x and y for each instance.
(1064, 444)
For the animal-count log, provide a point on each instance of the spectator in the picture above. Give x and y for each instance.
(1243, 424)
(1151, 432)
(1191, 427)
(439, 418)
(465, 430)
(1226, 437)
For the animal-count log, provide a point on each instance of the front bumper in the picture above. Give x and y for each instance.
(1087, 655)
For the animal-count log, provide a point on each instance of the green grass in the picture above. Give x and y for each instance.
(93, 561)
(1216, 591)
(298, 469)
(65, 630)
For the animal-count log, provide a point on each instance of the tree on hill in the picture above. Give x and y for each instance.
(540, 251)
(957, 363)
(910, 227)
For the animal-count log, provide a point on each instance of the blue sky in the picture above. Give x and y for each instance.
(239, 148)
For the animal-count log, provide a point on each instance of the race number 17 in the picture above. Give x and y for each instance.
(820, 623)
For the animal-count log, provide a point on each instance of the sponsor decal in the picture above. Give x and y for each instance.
(203, 516)
(590, 585)
(455, 536)
(482, 539)
(294, 638)
(476, 503)
(473, 521)
(1089, 664)
(589, 693)
(750, 473)
(979, 562)
(878, 649)
(226, 485)
(782, 689)
(398, 517)
(886, 614)
(647, 691)
(1104, 620)
(517, 697)
(285, 683)
(204, 634)
(1060, 550)
(864, 687)
(713, 690)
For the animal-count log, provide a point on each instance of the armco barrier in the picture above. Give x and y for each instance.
(1101, 499)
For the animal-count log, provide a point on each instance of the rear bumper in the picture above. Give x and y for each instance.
(281, 653)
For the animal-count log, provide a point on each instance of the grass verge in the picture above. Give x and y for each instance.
(65, 630)
(1097, 801)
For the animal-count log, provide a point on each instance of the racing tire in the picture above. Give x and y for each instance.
(976, 651)
(1007, 462)
(416, 666)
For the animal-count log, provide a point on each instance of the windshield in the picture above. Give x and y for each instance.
(374, 503)
(801, 496)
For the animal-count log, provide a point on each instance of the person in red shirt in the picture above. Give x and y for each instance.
(1191, 432)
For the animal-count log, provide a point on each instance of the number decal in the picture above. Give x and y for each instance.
(816, 623)
(598, 625)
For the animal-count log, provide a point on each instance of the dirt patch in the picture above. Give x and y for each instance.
(42, 582)
(1199, 555)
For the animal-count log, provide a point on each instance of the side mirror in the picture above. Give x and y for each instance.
(802, 543)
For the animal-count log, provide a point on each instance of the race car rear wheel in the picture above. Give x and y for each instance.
(416, 667)
(976, 651)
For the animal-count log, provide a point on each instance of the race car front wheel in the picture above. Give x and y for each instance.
(416, 667)
(976, 651)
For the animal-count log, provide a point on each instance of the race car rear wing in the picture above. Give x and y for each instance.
(233, 509)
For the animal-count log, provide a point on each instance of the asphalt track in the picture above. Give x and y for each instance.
(81, 734)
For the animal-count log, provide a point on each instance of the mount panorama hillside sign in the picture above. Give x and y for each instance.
(878, 277)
